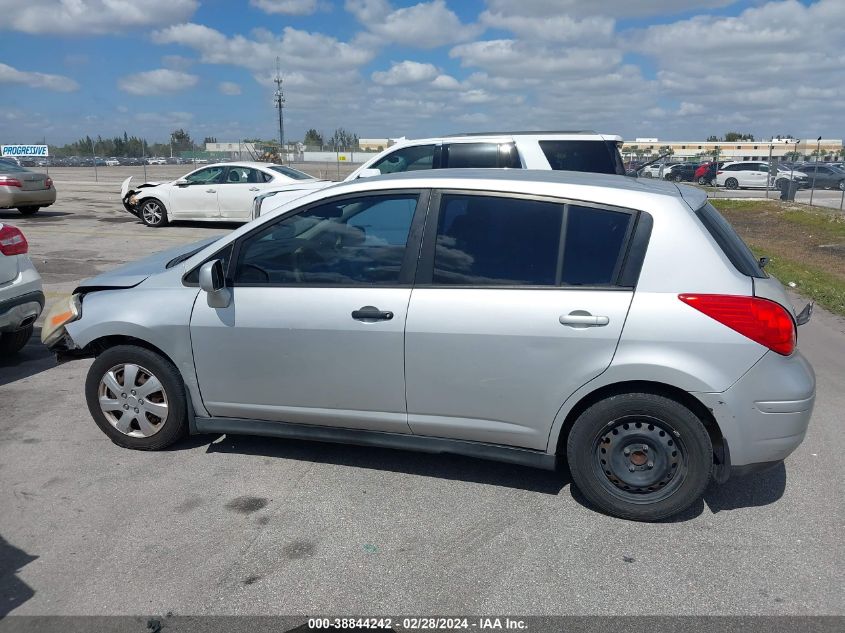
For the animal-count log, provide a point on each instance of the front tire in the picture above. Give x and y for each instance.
(841, 185)
(137, 398)
(153, 213)
(28, 210)
(731, 183)
(640, 456)
(13, 342)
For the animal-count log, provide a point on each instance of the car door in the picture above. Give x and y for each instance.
(518, 303)
(196, 196)
(759, 175)
(237, 191)
(314, 331)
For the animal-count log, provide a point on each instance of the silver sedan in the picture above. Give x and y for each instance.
(27, 190)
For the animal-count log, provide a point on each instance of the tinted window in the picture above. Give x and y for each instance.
(354, 241)
(480, 155)
(730, 243)
(491, 240)
(594, 240)
(243, 175)
(593, 156)
(291, 173)
(407, 159)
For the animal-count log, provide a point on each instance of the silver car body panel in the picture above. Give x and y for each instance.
(515, 373)
(19, 282)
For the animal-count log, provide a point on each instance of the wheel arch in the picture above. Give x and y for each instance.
(101, 344)
(721, 454)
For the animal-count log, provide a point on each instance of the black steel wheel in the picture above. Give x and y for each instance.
(640, 456)
(732, 183)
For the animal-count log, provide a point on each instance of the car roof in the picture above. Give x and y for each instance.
(611, 189)
(586, 135)
(241, 163)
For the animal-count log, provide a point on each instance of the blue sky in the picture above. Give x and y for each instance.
(671, 69)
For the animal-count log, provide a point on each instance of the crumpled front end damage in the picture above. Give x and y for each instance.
(129, 195)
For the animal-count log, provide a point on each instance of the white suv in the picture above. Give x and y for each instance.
(571, 151)
(754, 174)
(21, 297)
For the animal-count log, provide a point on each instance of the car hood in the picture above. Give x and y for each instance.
(133, 273)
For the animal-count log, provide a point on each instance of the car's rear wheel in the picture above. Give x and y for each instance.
(28, 210)
(702, 180)
(153, 212)
(640, 456)
(842, 185)
(732, 183)
(137, 398)
(13, 342)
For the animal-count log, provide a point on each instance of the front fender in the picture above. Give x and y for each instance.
(158, 316)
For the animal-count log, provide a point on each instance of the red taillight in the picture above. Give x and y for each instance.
(8, 181)
(48, 183)
(761, 320)
(12, 241)
(719, 172)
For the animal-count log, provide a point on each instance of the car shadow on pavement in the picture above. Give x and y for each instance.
(32, 359)
(441, 466)
(13, 590)
(15, 216)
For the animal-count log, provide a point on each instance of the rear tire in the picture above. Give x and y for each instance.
(702, 180)
(153, 213)
(841, 185)
(13, 342)
(130, 415)
(28, 210)
(731, 183)
(640, 456)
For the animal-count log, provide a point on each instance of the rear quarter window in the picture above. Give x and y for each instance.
(731, 244)
(592, 156)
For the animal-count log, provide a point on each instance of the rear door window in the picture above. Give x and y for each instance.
(592, 156)
(731, 244)
(480, 155)
(500, 241)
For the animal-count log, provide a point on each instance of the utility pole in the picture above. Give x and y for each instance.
(279, 99)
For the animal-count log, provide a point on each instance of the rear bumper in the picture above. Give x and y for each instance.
(764, 416)
(21, 311)
(14, 197)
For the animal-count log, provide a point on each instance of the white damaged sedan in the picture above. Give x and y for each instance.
(221, 192)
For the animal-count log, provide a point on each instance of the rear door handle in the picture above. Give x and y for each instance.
(371, 313)
(211, 190)
(253, 188)
(582, 319)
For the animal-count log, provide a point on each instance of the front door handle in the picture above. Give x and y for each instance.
(582, 319)
(253, 188)
(370, 314)
(211, 190)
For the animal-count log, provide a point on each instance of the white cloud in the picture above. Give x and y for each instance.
(424, 25)
(58, 83)
(229, 88)
(580, 8)
(289, 7)
(177, 62)
(446, 82)
(155, 82)
(555, 28)
(406, 72)
(84, 17)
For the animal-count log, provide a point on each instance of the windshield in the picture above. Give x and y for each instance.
(290, 172)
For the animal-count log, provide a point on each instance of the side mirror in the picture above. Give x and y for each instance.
(368, 173)
(213, 282)
(182, 183)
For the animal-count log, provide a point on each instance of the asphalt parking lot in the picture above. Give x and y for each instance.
(239, 525)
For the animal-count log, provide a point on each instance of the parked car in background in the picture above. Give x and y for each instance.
(112, 162)
(655, 170)
(378, 312)
(219, 192)
(570, 151)
(755, 174)
(156, 160)
(24, 189)
(705, 173)
(680, 172)
(21, 295)
(823, 176)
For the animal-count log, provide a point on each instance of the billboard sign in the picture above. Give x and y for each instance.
(24, 150)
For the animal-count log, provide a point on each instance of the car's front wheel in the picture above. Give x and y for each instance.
(732, 183)
(153, 212)
(137, 398)
(640, 456)
(28, 210)
(842, 185)
(13, 342)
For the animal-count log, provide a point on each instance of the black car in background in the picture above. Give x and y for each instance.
(682, 172)
(826, 176)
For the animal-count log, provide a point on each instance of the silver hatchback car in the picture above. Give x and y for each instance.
(521, 316)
